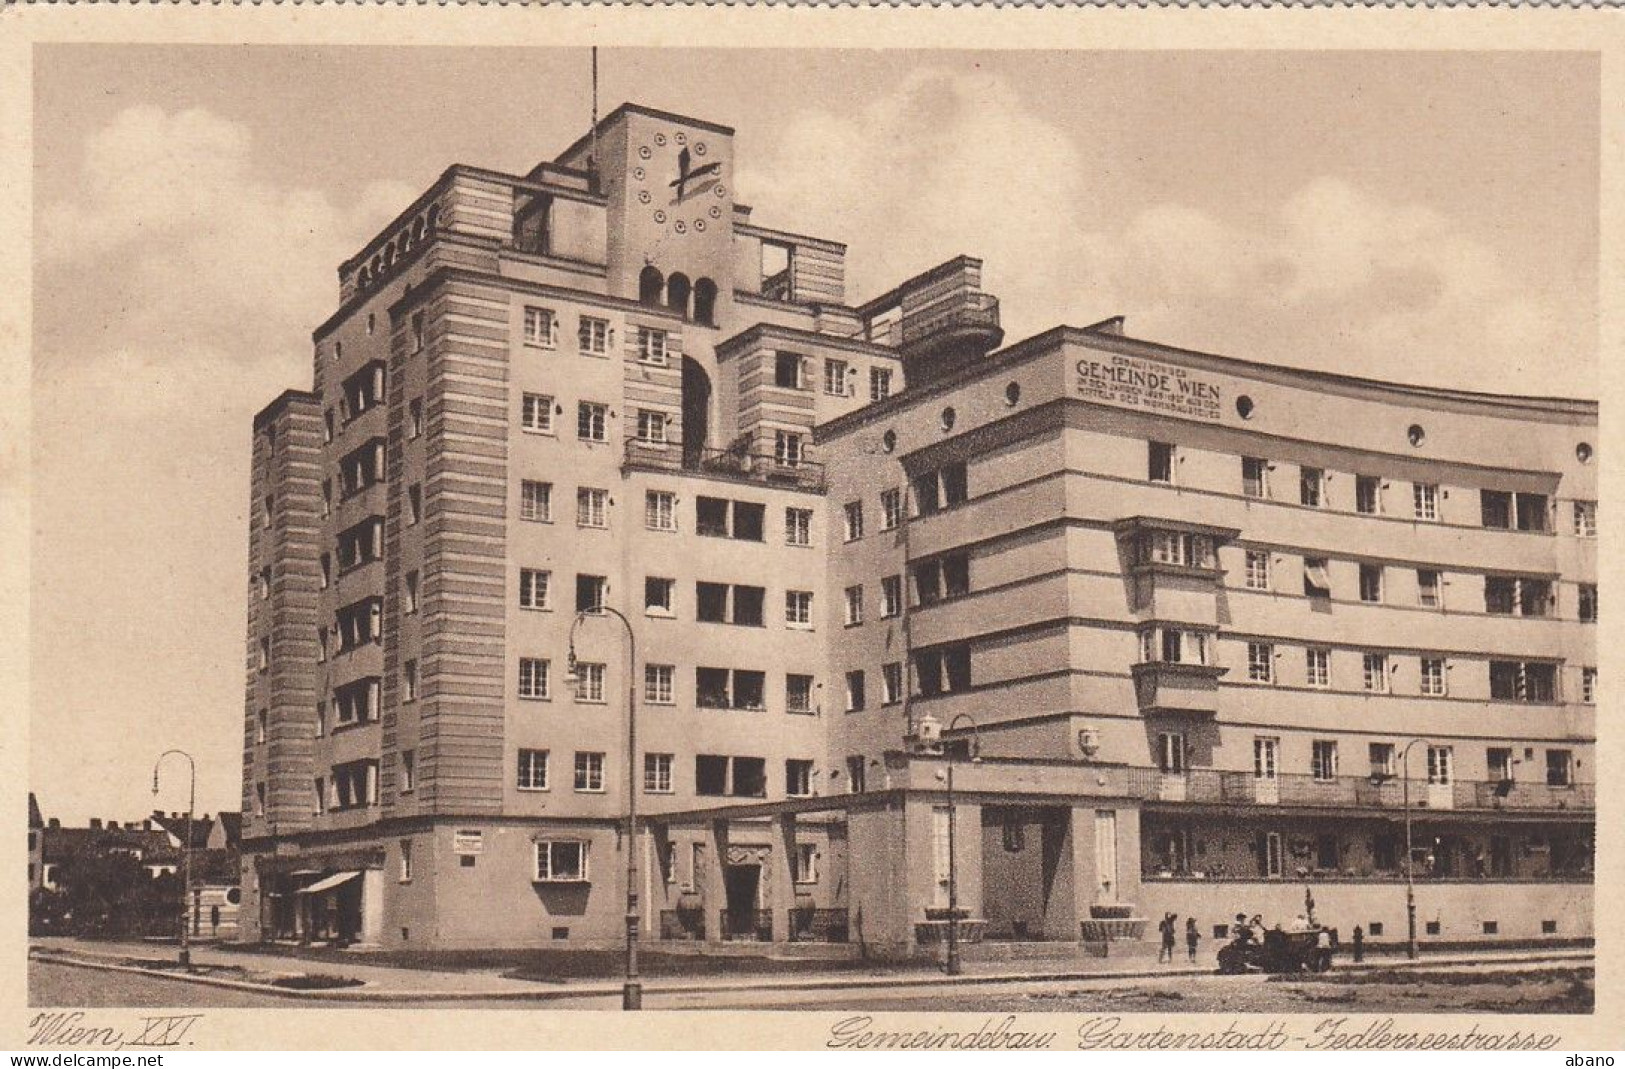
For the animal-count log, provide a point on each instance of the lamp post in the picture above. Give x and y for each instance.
(631, 987)
(186, 854)
(1410, 882)
(955, 966)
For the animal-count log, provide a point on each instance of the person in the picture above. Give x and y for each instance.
(1257, 925)
(1192, 936)
(1359, 943)
(1167, 930)
(1240, 931)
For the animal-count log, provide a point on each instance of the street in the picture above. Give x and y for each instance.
(1565, 987)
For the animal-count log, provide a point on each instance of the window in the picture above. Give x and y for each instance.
(1523, 681)
(944, 488)
(1382, 758)
(536, 501)
(533, 588)
(355, 784)
(1588, 603)
(409, 681)
(1515, 595)
(854, 605)
(1375, 672)
(942, 670)
(1371, 582)
(710, 775)
(406, 861)
(1588, 685)
(788, 450)
(891, 683)
(327, 497)
(590, 593)
(1171, 751)
(657, 683)
(798, 608)
(356, 703)
(533, 678)
(1261, 662)
(855, 779)
(891, 596)
(1317, 578)
(660, 510)
(319, 789)
(891, 509)
(1258, 569)
(835, 378)
(327, 570)
(798, 527)
(1312, 487)
(1429, 590)
(589, 683)
(1498, 760)
(742, 777)
(591, 421)
(269, 515)
(855, 696)
(409, 771)
(1439, 761)
(657, 773)
(879, 383)
(1495, 508)
(532, 770)
(589, 771)
(1433, 677)
(1368, 495)
(561, 861)
(417, 333)
(787, 371)
(1585, 519)
(1176, 547)
(717, 517)
(1531, 511)
(652, 427)
(1255, 477)
(1176, 646)
(854, 520)
(541, 327)
(536, 413)
(657, 595)
(712, 602)
(1559, 768)
(652, 346)
(1323, 759)
(262, 723)
(592, 335)
(798, 690)
(1425, 501)
(1160, 462)
(798, 778)
(806, 863)
(1317, 667)
(723, 688)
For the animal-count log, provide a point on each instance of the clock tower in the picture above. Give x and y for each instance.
(669, 183)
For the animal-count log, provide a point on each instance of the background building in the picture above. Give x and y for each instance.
(1194, 609)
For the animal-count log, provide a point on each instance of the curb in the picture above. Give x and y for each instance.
(360, 994)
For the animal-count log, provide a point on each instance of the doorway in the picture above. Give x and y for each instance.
(742, 884)
(696, 413)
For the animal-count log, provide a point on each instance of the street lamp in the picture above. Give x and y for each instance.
(186, 855)
(631, 987)
(1410, 882)
(928, 732)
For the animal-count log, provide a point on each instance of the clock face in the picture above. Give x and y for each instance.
(677, 185)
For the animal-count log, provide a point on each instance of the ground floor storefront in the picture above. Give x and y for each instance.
(1006, 852)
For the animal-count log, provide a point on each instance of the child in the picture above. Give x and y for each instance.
(1192, 936)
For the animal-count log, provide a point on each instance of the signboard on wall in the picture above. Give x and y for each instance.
(1134, 382)
(467, 842)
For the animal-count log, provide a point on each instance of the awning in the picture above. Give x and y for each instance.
(328, 884)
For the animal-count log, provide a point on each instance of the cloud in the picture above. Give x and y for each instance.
(184, 244)
(1334, 278)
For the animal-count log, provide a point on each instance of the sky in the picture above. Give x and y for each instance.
(1417, 216)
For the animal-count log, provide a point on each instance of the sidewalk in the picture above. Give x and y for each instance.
(392, 984)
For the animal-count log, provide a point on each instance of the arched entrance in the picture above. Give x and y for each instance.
(696, 412)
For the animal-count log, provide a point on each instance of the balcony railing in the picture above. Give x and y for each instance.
(1364, 792)
(968, 310)
(746, 925)
(818, 925)
(762, 468)
(682, 924)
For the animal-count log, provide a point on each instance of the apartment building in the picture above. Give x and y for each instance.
(590, 439)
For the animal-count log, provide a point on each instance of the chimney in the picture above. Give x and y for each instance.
(146, 825)
(95, 823)
(54, 822)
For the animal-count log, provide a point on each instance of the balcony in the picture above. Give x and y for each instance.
(737, 465)
(968, 314)
(1177, 688)
(1213, 786)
